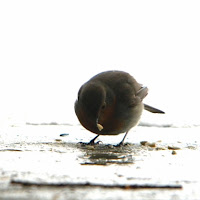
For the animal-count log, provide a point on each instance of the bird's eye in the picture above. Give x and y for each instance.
(79, 93)
(103, 106)
(78, 96)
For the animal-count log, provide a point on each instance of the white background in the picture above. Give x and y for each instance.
(48, 49)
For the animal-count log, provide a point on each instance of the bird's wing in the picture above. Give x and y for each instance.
(139, 96)
(152, 109)
(142, 93)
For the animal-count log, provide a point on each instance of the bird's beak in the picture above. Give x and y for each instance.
(99, 126)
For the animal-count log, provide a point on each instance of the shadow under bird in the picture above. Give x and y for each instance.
(110, 103)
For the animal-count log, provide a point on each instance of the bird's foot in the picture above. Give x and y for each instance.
(122, 144)
(92, 142)
(119, 145)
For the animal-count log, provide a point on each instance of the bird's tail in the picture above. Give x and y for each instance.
(152, 109)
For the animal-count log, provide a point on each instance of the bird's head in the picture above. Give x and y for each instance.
(91, 102)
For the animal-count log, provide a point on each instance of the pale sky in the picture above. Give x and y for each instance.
(48, 49)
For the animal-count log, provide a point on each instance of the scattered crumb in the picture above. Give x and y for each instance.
(58, 140)
(143, 143)
(153, 144)
(191, 147)
(64, 134)
(146, 143)
(174, 152)
(160, 148)
(173, 148)
(159, 141)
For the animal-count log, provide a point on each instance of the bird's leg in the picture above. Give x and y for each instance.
(92, 141)
(121, 143)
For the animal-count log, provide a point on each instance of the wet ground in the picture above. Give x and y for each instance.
(47, 162)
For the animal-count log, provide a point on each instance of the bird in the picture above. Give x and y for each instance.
(110, 103)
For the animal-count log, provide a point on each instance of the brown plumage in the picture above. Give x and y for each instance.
(110, 103)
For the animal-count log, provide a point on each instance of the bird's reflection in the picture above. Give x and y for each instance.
(101, 154)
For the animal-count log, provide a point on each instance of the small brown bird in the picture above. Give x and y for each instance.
(110, 103)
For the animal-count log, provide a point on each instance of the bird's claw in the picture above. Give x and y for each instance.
(119, 145)
(92, 143)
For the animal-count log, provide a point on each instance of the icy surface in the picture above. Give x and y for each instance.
(50, 159)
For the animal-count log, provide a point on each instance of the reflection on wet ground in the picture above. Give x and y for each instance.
(107, 154)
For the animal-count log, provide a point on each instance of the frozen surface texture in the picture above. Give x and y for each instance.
(48, 162)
